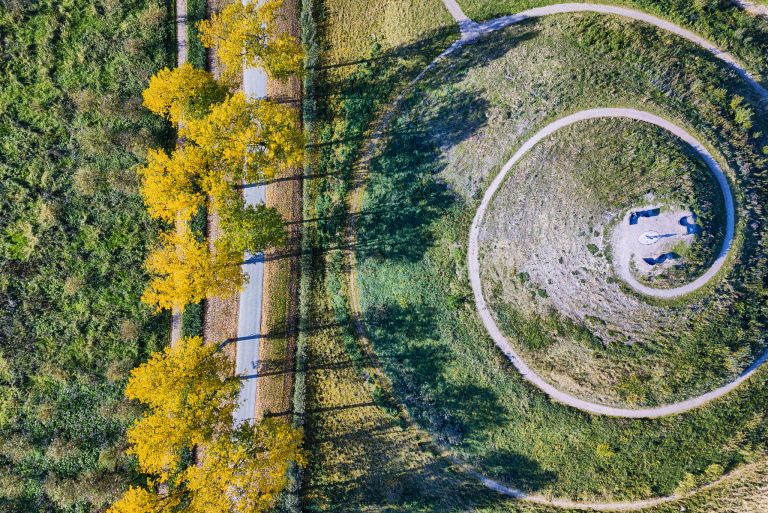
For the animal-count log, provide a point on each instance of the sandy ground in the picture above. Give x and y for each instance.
(281, 270)
(649, 238)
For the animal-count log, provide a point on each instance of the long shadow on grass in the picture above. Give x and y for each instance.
(406, 338)
(403, 195)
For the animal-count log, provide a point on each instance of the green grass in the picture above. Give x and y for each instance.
(454, 133)
(358, 65)
(73, 237)
(196, 11)
(721, 22)
(361, 457)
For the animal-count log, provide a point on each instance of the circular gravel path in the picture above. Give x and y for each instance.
(502, 342)
(470, 30)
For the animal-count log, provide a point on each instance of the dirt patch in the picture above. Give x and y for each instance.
(282, 266)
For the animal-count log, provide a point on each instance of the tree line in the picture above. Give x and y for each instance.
(196, 458)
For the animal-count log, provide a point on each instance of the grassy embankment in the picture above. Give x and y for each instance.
(548, 263)
(73, 239)
(745, 35)
(362, 456)
(416, 300)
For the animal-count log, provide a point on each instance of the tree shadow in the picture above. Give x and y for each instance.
(422, 370)
(404, 192)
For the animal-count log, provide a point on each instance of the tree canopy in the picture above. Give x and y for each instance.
(182, 93)
(247, 34)
(184, 271)
(171, 185)
(190, 394)
(253, 139)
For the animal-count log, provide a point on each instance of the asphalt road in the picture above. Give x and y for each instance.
(249, 315)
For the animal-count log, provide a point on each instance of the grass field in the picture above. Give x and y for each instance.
(365, 453)
(358, 61)
(73, 237)
(413, 229)
(722, 22)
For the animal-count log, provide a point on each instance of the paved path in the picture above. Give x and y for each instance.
(469, 32)
(249, 315)
(752, 7)
(472, 30)
(623, 264)
(507, 348)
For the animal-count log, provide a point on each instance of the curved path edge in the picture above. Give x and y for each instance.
(652, 119)
(470, 30)
(473, 261)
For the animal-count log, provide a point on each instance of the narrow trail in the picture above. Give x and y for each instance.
(470, 31)
(500, 339)
(181, 58)
(623, 269)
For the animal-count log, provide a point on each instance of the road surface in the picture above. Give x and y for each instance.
(249, 315)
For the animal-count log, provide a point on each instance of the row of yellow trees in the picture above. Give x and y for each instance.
(228, 140)
(198, 460)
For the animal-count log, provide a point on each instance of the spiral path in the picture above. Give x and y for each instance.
(502, 342)
(470, 31)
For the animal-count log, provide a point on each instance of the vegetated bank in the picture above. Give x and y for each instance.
(361, 54)
(462, 122)
(722, 22)
(73, 235)
(549, 259)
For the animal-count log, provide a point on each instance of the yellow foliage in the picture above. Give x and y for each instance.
(190, 396)
(183, 92)
(171, 186)
(138, 500)
(247, 34)
(184, 271)
(253, 139)
(245, 472)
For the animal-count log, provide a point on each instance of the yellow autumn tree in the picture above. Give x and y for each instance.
(190, 394)
(251, 139)
(247, 34)
(245, 471)
(182, 93)
(183, 270)
(140, 500)
(172, 186)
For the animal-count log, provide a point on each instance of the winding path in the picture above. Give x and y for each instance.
(507, 348)
(470, 30)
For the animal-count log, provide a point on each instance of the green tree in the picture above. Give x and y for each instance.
(251, 228)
